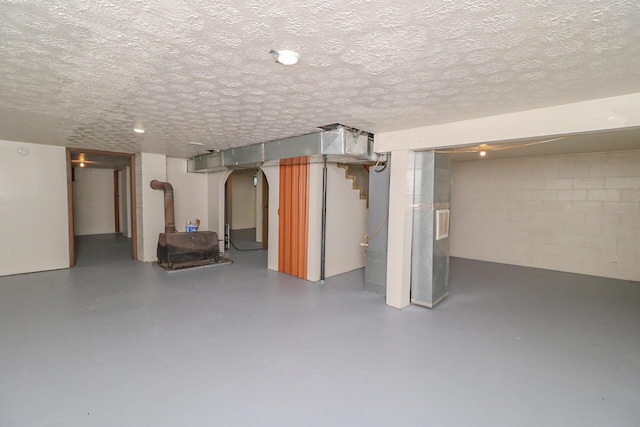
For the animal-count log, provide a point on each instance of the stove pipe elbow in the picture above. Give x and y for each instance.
(169, 218)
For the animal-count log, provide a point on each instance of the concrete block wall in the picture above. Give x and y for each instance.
(93, 204)
(576, 213)
(189, 193)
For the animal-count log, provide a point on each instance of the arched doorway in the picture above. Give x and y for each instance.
(246, 210)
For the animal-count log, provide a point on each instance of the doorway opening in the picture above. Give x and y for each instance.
(246, 211)
(101, 206)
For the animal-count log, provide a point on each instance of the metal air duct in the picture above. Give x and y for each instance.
(336, 143)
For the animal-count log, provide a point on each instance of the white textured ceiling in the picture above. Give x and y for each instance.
(82, 73)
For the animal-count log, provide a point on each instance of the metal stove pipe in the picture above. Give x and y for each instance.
(169, 218)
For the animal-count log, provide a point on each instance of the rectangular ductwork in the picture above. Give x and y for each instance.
(297, 146)
(337, 143)
(249, 156)
(207, 163)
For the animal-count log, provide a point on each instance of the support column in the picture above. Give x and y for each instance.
(400, 228)
(430, 245)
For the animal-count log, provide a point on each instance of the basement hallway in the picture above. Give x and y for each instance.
(124, 343)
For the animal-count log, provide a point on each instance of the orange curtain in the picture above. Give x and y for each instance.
(293, 222)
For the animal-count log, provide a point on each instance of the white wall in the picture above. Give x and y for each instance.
(215, 205)
(578, 213)
(272, 173)
(93, 205)
(243, 200)
(259, 189)
(34, 233)
(346, 223)
(150, 203)
(314, 251)
(189, 194)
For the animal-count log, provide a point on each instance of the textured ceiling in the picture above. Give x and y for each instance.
(82, 73)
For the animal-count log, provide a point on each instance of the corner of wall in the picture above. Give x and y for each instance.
(150, 212)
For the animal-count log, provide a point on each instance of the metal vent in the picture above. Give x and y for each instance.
(442, 224)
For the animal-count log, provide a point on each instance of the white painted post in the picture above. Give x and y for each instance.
(400, 228)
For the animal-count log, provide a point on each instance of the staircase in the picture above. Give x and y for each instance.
(359, 176)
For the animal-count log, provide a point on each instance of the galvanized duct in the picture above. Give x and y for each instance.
(430, 241)
(337, 143)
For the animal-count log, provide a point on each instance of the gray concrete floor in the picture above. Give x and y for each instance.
(244, 240)
(118, 342)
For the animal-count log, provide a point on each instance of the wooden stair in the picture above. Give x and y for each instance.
(359, 176)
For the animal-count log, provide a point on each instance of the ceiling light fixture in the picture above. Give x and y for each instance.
(138, 129)
(82, 164)
(195, 143)
(285, 57)
(483, 153)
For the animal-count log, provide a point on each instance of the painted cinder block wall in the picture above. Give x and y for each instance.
(189, 194)
(190, 199)
(575, 213)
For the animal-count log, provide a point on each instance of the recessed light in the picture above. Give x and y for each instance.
(138, 129)
(23, 151)
(285, 57)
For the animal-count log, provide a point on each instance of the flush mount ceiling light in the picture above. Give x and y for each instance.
(138, 126)
(195, 143)
(285, 57)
